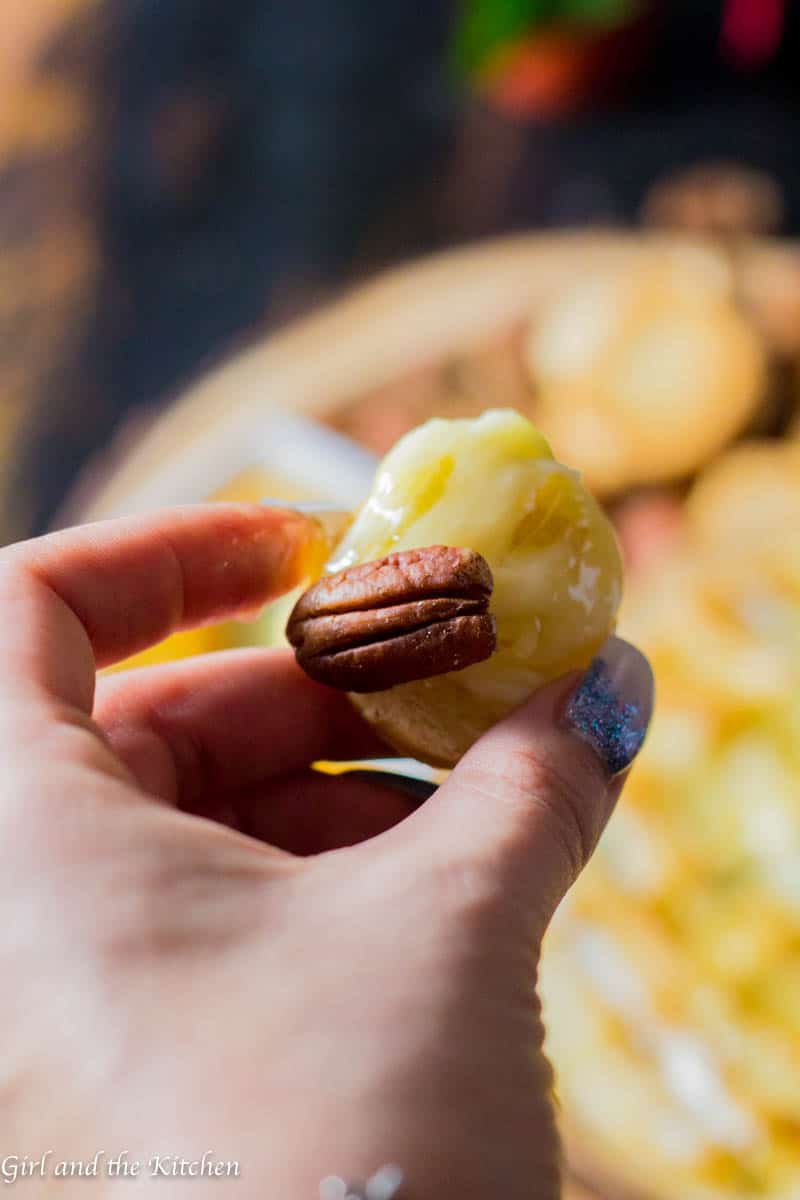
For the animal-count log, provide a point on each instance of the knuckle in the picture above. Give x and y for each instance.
(550, 797)
(192, 767)
(563, 795)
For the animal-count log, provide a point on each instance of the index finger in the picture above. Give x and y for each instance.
(89, 596)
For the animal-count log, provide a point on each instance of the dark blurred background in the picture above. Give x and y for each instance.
(180, 174)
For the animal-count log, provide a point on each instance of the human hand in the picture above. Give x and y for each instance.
(209, 946)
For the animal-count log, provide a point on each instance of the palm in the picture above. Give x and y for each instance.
(214, 947)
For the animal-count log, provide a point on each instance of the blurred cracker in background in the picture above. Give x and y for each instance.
(718, 199)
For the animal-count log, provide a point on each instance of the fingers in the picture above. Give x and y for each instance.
(309, 813)
(91, 596)
(527, 804)
(225, 722)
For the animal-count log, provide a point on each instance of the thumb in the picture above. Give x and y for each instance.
(525, 807)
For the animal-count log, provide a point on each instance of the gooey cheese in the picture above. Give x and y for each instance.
(491, 485)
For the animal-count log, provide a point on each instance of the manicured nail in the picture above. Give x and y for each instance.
(612, 705)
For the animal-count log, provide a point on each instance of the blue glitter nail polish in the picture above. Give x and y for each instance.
(612, 705)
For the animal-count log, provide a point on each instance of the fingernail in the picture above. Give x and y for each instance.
(417, 789)
(612, 705)
(311, 508)
(331, 518)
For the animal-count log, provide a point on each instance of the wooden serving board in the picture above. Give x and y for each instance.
(407, 317)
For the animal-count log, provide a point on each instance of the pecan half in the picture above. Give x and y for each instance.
(413, 614)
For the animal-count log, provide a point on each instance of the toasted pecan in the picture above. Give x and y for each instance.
(410, 615)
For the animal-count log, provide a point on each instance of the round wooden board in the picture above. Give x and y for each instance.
(407, 317)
